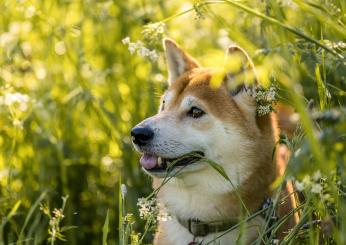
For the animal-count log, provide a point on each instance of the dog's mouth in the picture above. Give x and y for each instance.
(154, 164)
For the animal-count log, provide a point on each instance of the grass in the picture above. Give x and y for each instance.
(70, 91)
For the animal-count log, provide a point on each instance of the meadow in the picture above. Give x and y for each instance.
(76, 76)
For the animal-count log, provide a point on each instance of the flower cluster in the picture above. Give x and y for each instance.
(55, 217)
(265, 99)
(54, 222)
(314, 184)
(154, 32)
(339, 45)
(17, 100)
(17, 104)
(139, 49)
(149, 208)
(9, 39)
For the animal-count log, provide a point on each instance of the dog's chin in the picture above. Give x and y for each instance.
(161, 167)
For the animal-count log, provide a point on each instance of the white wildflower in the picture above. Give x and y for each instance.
(126, 40)
(317, 175)
(153, 55)
(40, 73)
(30, 11)
(60, 48)
(52, 222)
(304, 184)
(15, 28)
(158, 27)
(58, 213)
(26, 47)
(143, 51)
(316, 188)
(300, 185)
(17, 123)
(123, 191)
(132, 47)
(139, 48)
(16, 99)
(106, 161)
(6, 39)
(275, 242)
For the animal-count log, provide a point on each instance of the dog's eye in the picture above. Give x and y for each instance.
(195, 112)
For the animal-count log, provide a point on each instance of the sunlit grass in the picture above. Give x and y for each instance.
(70, 91)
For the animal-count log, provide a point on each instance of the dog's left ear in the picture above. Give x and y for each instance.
(178, 61)
(241, 74)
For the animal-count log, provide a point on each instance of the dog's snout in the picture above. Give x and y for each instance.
(142, 135)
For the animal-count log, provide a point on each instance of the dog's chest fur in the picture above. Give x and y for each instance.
(205, 205)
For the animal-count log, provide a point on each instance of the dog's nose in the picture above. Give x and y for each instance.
(141, 135)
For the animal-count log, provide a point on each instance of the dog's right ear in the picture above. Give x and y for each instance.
(178, 62)
(242, 67)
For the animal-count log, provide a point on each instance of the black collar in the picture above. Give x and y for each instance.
(199, 228)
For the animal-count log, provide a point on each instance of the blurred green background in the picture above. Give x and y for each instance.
(71, 91)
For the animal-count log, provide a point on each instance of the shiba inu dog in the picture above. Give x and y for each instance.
(195, 122)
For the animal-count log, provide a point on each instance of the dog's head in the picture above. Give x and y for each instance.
(196, 121)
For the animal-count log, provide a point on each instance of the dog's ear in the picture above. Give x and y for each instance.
(240, 72)
(178, 62)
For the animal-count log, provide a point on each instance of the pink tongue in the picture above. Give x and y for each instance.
(148, 161)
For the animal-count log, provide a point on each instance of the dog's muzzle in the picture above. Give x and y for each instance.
(155, 164)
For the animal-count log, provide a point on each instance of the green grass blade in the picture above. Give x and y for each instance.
(30, 213)
(218, 168)
(105, 229)
(323, 92)
(121, 218)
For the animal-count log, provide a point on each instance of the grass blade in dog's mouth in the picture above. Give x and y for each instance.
(151, 162)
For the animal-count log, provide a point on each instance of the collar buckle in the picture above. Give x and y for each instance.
(198, 228)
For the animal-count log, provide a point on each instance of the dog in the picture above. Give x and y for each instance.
(196, 122)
